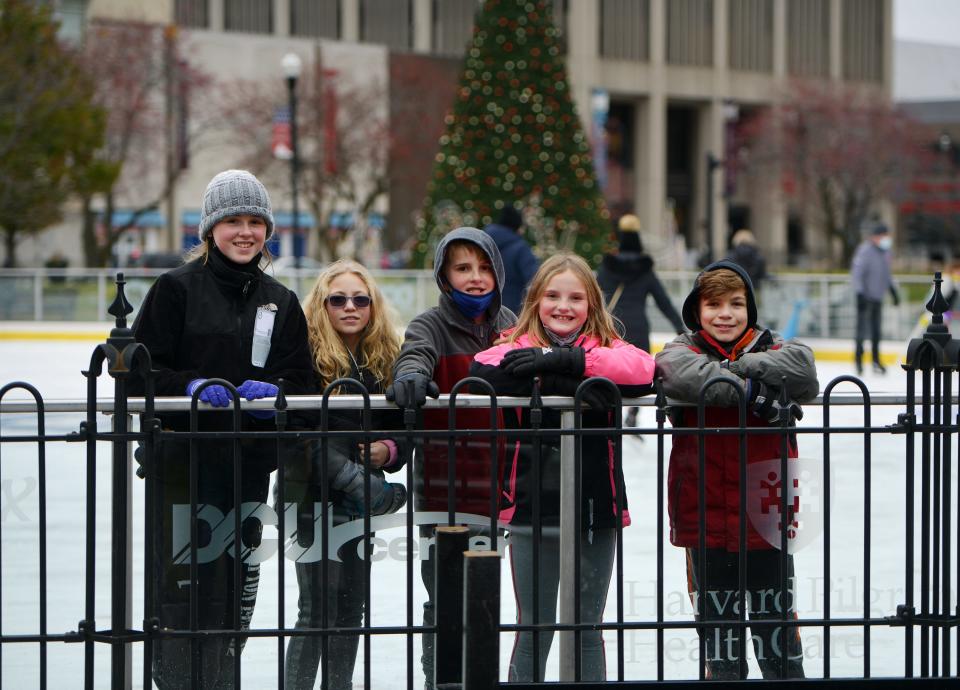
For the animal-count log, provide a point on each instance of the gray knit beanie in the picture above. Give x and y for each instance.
(234, 193)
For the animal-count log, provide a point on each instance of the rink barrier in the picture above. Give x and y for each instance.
(824, 303)
(929, 418)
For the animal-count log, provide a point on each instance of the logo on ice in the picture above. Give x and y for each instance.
(804, 516)
(216, 530)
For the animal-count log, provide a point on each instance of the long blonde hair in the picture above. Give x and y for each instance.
(599, 323)
(380, 343)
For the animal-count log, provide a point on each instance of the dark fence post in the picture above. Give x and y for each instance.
(120, 351)
(481, 620)
(936, 353)
(452, 542)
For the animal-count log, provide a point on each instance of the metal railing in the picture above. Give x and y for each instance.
(921, 611)
(819, 304)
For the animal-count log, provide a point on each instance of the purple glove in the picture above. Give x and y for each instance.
(254, 390)
(218, 396)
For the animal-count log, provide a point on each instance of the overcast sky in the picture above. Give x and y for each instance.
(933, 21)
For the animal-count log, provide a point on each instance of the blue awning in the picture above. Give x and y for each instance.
(341, 219)
(347, 219)
(149, 219)
(283, 219)
(190, 219)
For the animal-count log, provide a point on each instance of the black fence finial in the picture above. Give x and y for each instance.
(936, 348)
(120, 306)
(121, 336)
(937, 304)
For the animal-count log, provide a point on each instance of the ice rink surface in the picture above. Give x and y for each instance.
(54, 368)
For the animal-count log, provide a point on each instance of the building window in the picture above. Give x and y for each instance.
(452, 25)
(387, 21)
(251, 16)
(561, 10)
(625, 29)
(71, 14)
(690, 32)
(193, 13)
(808, 38)
(863, 40)
(315, 18)
(750, 36)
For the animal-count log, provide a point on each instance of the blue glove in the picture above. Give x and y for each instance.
(254, 390)
(218, 396)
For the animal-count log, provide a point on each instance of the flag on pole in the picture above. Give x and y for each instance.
(281, 142)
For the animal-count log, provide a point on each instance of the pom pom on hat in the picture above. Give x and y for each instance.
(629, 223)
(234, 193)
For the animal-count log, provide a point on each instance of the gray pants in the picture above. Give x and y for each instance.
(868, 327)
(596, 566)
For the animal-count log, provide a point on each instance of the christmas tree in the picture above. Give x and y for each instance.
(514, 136)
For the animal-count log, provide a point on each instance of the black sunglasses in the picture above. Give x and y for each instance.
(340, 301)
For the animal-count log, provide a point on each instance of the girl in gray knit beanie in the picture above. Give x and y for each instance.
(217, 329)
(231, 196)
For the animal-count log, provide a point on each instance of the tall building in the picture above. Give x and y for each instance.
(661, 82)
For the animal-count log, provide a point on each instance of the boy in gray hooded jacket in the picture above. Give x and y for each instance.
(437, 352)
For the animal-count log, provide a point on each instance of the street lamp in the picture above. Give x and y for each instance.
(712, 164)
(292, 66)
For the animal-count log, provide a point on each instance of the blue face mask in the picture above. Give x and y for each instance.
(471, 306)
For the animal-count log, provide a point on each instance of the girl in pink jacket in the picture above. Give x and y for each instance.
(563, 336)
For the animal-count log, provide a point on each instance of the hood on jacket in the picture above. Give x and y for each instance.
(691, 305)
(627, 265)
(484, 242)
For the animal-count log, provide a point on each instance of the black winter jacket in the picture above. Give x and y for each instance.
(197, 322)
(634, 271)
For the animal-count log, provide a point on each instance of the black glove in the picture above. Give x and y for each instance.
(894, 295)
(764, 403)
(528, 361)
(597, 396)
(412, 390)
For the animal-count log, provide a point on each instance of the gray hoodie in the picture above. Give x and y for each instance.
(441, 343)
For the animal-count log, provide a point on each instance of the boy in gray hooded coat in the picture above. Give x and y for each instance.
(726, 342)
(437, 352)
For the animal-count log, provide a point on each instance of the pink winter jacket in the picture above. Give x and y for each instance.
(627, 366)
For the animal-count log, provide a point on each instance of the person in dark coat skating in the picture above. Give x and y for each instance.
(627, 279)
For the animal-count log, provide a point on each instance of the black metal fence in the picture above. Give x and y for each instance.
(881, 518)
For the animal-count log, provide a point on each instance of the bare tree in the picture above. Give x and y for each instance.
(838, 149)
(139, 76)
(345, 142)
